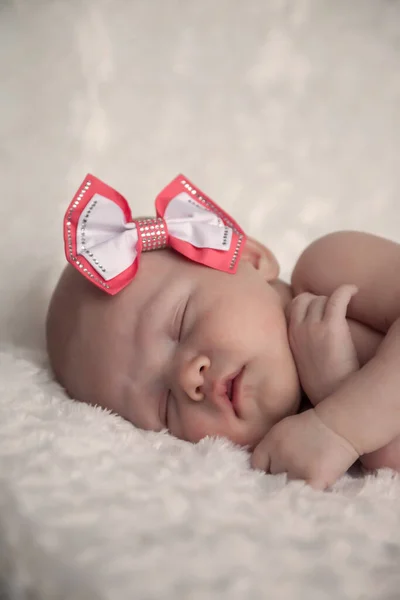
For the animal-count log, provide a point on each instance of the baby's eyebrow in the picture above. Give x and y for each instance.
(148, 317)
(152, 311)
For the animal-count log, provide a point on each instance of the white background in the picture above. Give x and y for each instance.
(287, 113)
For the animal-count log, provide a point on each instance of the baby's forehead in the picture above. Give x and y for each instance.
(158, 271)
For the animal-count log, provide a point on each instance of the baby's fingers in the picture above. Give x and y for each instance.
(300, 306)
(316, 309)
(336, 307)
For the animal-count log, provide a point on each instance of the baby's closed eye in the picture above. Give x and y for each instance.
(178, 320)
(164, 408)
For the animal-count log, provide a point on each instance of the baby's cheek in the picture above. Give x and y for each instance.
(194, 424)
(195, 428)
(230, 328)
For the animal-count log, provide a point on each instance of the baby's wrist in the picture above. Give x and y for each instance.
(333, 421)
(329, 386)
(317, 394)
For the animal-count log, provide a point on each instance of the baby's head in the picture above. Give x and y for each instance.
(198, 350)
(183, 346)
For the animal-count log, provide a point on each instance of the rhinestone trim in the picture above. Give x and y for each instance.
(153, 233)
(236, 252)
(73, 258)
(215, 210)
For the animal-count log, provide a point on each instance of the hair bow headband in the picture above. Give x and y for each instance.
(104, 243)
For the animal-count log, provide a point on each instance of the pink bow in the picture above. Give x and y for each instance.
(104, 243)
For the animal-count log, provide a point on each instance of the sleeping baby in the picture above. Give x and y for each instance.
(179, 322)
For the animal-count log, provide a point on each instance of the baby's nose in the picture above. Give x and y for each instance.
(192, 377)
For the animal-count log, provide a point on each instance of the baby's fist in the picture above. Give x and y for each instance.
(321, 343)
(305, 448)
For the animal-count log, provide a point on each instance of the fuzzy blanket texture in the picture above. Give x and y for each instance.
(287, 113)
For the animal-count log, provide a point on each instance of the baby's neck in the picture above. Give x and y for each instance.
(284, 291)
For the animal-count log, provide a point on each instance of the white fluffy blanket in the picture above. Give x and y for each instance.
(91, 508)
(287, 113)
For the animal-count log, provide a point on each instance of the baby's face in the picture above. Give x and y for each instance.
(186, 348)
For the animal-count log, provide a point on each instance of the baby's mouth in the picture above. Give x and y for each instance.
(229, 389)
(232, 389)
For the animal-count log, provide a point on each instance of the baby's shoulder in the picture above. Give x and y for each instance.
(370, 262)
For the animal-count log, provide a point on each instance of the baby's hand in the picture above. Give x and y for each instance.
(321, 342)
(304, 448)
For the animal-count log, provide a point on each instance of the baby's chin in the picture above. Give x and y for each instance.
(273, 417)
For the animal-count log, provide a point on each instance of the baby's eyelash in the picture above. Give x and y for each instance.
(166, 409)
(182, 321)
(178, 320)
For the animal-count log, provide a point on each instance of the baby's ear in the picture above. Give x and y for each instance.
(261, 258)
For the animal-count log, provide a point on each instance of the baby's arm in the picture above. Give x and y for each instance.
(364, 413)
(370, 262)
(365, 410)
(373, 265)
